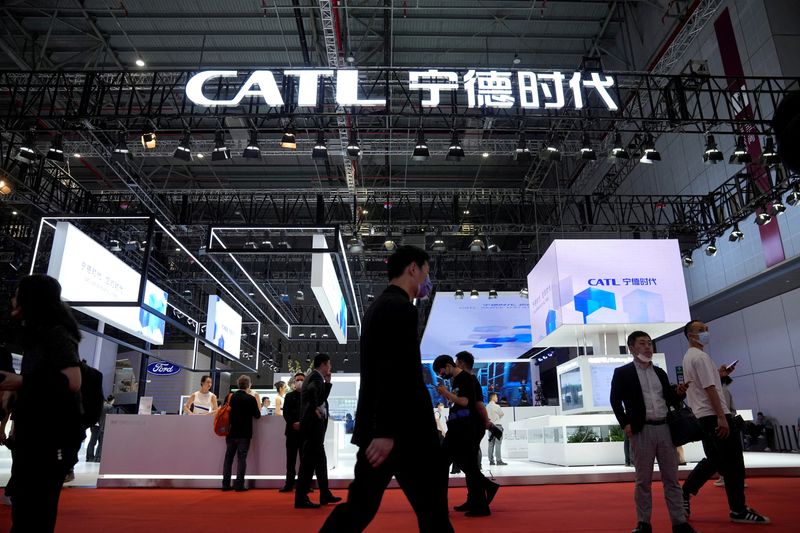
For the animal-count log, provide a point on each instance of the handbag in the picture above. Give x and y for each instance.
(683, 426)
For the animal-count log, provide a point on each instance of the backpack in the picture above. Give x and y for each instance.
(222, 418)
(91, 395)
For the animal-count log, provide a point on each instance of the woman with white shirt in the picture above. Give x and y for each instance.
(203, 401)
(281, 388)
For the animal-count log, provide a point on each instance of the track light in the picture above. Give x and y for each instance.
(474, 294)
(389, 245)
(148, 139)
(551, 151)
(220, 151)
(252, 151)
(712, 155)
(650, 153)
(455, 152)
(711, 249)
(288, 140)
(794, 197)
(736, 234)
(617, 150)
(353, 148)
(184, 149)
(523, 292)
(439, 245)
(300, 296)
(56, 151)
(477, 245)
(522, 154)
(777, 208)
(769, 155)
(459, 294)
(494, 248)
(587, 152)
(763, 218)
(421, 152)
(687, 260)
(492, 294)
(740, 155)
(355, 244)
(115, 247)
(516, 59)
(27, 150)
(320, 150)
(121, 153)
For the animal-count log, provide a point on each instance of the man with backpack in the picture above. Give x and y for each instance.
(243, 409)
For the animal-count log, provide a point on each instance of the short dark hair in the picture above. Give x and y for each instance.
(320, 359)
(467, 358)
(492, 394)
(439, 403)
(299, 374)
(279, 384)
(688, 326)
(404, 256)
(635, 335)
(203, 379)
(441, 362)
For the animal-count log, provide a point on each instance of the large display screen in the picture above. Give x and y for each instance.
(588, 284)
(571, 390)
(511, 380)
(90, 273)
(325, 285)
(490, 328)
(224, 327)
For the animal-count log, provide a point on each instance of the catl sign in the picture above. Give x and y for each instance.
(484, 88)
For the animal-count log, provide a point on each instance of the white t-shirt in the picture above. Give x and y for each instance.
(699, 369)
(495, 413)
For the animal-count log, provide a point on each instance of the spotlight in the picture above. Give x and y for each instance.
(252, 151)
(5, 187)
(687, 260)
(485, 155)
(140, 62)
(288, 140)
(711, 249)
(473, 294)
(200, 155)
(523, 292)
(439, 245)
(184, 149)
(76, 155)
(794, 197)
(148, 139)
(320, 150)
(121, 153)
(650, 152)
(740, 155)
(492, 294)
(516, 59)
(389, 243)
(300, 296)
(736, 234)
(587, 152)
(769, 155)
(777, 208)
(370, 297)
(476, 245)
(712, 155)
(459, 294)
(56, 151)
(355, 245)
(455, 152)
(115, 247)
(494, 248)
(421, 152)
(551, 151)
(220, 151)
(353, 149)
(618, 151)
(522, 154)
(763, 218)
(27, 150)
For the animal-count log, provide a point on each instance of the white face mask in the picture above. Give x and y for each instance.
(644, 358)
(704, 337)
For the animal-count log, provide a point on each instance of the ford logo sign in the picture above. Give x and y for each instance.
(161, 368)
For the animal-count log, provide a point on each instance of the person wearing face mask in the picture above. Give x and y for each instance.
(721, 440)
(640, 397)
(395, 438)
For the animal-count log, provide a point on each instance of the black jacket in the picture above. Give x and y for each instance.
(627, 399)
(244, 408)
(291, 411)
(393, 400)
(314, 394)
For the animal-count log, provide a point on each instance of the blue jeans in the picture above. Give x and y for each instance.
(238, 447)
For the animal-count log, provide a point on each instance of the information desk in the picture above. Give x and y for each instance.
(184, 451)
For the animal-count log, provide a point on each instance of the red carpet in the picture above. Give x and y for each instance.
(589, 507)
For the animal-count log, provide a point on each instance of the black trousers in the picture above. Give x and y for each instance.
(462, 448)
(312, 459)
(723, 456)
(294, 442)
(421, 472)
(91, 454)
(38, 475)
(239, 448)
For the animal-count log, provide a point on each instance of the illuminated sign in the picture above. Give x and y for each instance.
(325, 284)
(224, 327)
(484, 88)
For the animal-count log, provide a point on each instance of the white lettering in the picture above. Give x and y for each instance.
(309, 81)
(267, 88)
(434, 81)
(194, 87)
(347, 90)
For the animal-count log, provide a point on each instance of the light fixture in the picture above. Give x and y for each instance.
(763, 218)
(459, 294)
(587, 152)
(220, 151)
(456, 151)
(769, 155)
(320, 150)
(777, 208)
(492, 294)
(794, 197)
(687, 259)
(184, 149)
(350, 57)
(14, 213)
(370, 297)
(522, 154)
(736, 234)
(27, 150)
(300, 296)
(649, 148)
(140, 62)
(494, 248)
(740, 155)
(421, 152)
(252, 151)
(477, 245)
(266, 243)
(711, 249)
(551, 151)
(76, 155)
(439, 245)
(516, 59)
(121, 152)
(353, 149)
(5, 187)
(115, 247)
(474, 294)
(355, 245)
(617, 150)
(288, 140)
(712, 155)
(485, 155)
(389, 243)
(523, 292)
(56, 151)
(148, 139)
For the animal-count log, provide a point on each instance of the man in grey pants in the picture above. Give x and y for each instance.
(641, 396)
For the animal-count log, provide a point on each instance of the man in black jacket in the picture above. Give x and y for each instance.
(313, 424)
(244, 408)
(291, 414)
(641, 396)
(395, 438)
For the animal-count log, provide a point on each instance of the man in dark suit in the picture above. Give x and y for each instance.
(313, 424)
(291, 414)
(244, 408)
(641, 396)
(395, 437)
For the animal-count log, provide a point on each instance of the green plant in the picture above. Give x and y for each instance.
(582, 434)
(296, 366)
(616, 434)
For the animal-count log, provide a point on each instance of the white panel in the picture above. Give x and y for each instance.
(767, 337)
(729, 342)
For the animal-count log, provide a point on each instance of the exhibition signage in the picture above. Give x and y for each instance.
(224, 326)
(325, 285)
(90, 273)
(580, 287)
(484, 88)
(162, 368)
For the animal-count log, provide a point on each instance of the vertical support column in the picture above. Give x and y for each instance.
(145, 360)
(98, 344)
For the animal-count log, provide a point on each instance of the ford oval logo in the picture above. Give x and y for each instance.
(161, 368)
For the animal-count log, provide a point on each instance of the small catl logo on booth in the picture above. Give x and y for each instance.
(161, 368)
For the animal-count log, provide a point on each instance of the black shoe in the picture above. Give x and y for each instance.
(306, 504)
(462, 508)
(683, 528)
(241, 489)
(643, 527)
(476, 512)
(286, 488)
(491, 491)
(748, 516)
(491, 463)
(687, 507)
(227, 489)
(501, 463)
(329, 498)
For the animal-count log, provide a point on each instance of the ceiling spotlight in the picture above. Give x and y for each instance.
(200, 155)
(711, 249)
(148, 139)
(617, 150)
(650, 153)
(121, 153)
(522, 154)
(712, 155)
(523, 292)
(485, 155)
(687, 260)
(288, 140)
(439, 245)
(115, 247)
(220, 151)
(355, 244)
(370, 297)
(184, 149)
(769, 155)
(421, 152)
(455, 152)
(477, 245)
(473, 294)
(763, 218)
(252, 151)
(551, 151)
(320, 150)
(76, 155)
(27, 150)
(492, 294)
(516, 59)
(56, 151)
(777, 208)
(794, 197)
(389, 243)
(140, 62)
(459, 294)
(351, 58)
(736, 234)
(299, 296)
(587, 152)
(740, 155)
(353, 148)
(494, 248)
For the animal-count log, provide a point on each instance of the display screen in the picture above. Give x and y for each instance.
(491, 329)
(326, 288)
(224, 327)
(88, 272)
(511, 380)
(571, 390)
(601, 383)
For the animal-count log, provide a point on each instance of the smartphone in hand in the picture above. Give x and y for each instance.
(731, 366)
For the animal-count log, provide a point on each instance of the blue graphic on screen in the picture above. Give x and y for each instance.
(550, 323)
(341, 317)
(571, 390)
(150, 323)
(511, 381)
(591, 299)
(644, 306)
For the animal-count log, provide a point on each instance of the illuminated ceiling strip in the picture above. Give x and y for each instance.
(36, 246)
(350, 280)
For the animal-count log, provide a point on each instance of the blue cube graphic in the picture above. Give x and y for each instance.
(591, 299)
(643, 306)
(550, 322)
